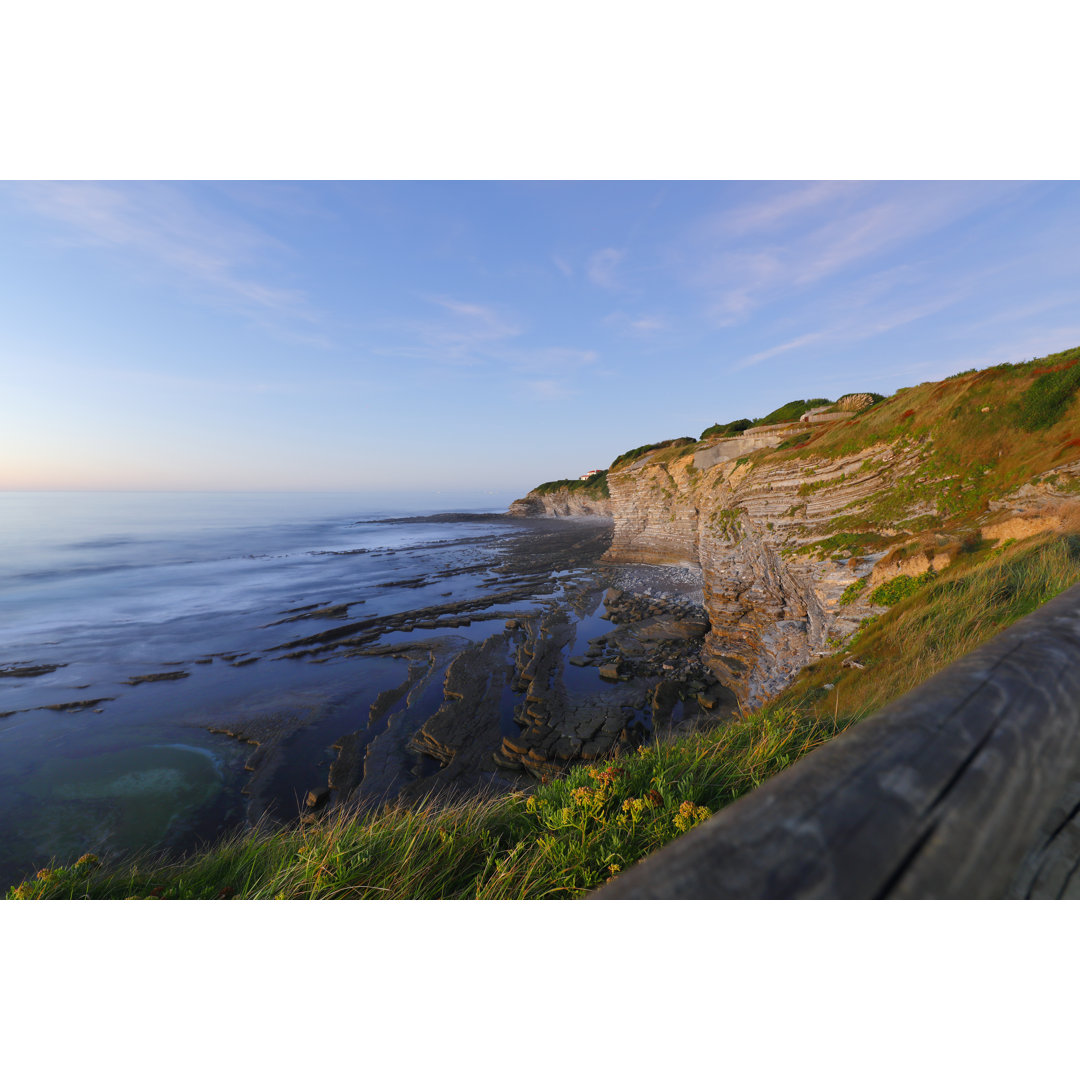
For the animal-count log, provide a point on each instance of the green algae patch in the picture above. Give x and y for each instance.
(121, 800)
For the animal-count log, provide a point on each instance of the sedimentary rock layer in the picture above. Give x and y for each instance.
(560, 504)
(771, 608)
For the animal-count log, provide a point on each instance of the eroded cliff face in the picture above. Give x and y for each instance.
(560, 504)
(782, 519)
(772, 599)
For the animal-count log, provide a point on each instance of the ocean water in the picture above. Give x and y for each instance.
(106, 589)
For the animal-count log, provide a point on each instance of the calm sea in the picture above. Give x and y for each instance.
(108, 588)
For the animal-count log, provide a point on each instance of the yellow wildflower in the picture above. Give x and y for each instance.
(606, 776)
(689, 815)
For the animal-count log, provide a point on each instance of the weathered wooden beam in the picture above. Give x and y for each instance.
(968, 786)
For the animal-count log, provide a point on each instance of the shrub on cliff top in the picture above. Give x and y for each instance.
(639, 451)
(732, 428)
(595, 487)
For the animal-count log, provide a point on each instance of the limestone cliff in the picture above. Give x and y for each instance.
(771, 608)
(566, 498)
(783, 519)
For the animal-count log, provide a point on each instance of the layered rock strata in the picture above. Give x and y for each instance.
(772, 607)
(558, 504)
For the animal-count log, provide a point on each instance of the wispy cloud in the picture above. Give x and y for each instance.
(549, 358)
(860, 327)
(1018, 313)
(465, 335)
(882, 226)
(548, 389)
(473, 334)
(158, 225)
(776, 210)
(778, 350)
(475, 322)
(564, 267)
(638, 325)
(778, 246)
(602, 265)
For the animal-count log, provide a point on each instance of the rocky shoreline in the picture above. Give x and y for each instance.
(581, 658)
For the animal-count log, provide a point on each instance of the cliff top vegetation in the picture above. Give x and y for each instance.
(723, 430)
(640, 451)
(980, 435)
(593, 487)
(791, 411)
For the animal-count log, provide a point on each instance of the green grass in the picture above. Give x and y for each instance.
(852, 592)
(1045, 401)
(899, 588)
(846, 544)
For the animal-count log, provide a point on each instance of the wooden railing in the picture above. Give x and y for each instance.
(966, 787)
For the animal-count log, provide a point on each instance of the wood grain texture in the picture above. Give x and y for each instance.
(966, 787)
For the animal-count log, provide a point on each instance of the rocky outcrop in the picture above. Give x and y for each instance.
(648, 664)
(854, 402)
(465, 731)
(560, 504)
(752, 526)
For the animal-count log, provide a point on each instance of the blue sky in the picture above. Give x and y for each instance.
(475, 338)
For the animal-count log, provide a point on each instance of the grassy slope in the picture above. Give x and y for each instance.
(573, 834)
(973, 455)
(980, 594)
